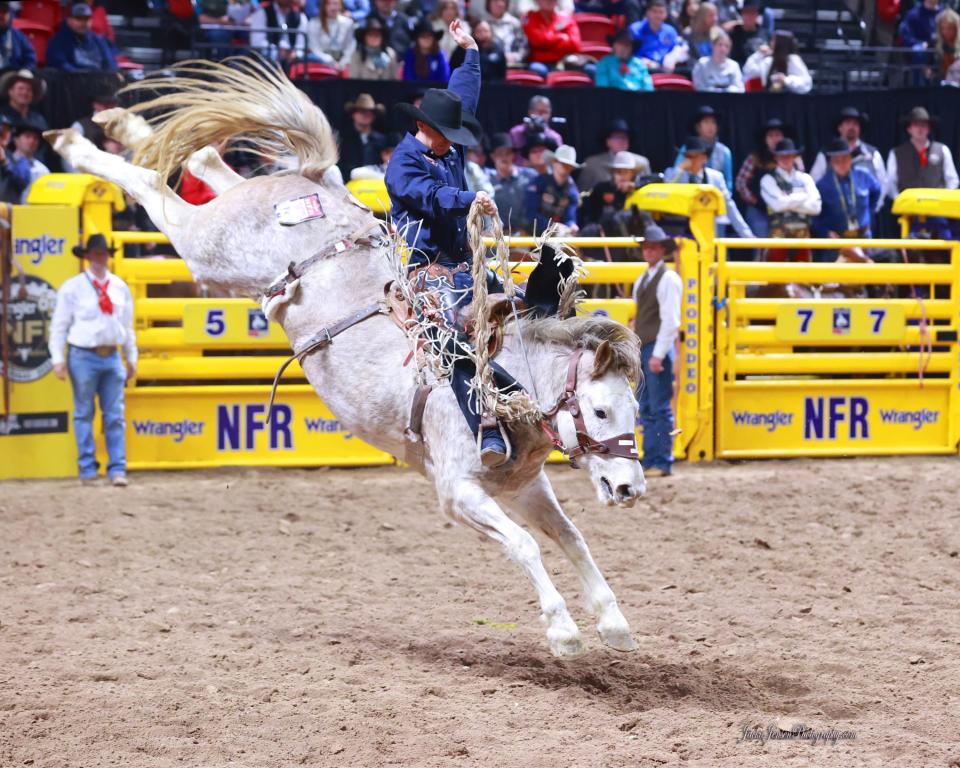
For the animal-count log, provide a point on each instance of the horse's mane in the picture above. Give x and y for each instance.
(204, 102)
(590, 331)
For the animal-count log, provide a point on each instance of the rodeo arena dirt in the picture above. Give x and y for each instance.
(381, 557)
(334, 618)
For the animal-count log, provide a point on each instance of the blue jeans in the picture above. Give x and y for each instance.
(94, 376)
(656, 413)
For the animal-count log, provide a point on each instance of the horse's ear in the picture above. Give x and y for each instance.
(602, 359)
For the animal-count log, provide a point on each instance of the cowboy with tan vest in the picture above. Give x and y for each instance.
(657, 294)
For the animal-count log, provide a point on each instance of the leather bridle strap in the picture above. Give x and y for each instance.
(323, 338)
(621, 446)
(297, 270)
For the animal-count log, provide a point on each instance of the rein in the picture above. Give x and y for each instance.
(622, 446)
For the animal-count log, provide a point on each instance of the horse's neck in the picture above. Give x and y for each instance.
(540, 368)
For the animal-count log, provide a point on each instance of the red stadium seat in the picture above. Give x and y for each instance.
(524, 77)
(38, 35)
(568, 79)
(665, 81)
(49, 13)
(594, 27)
(312, 71)
(126, 64)
(597, 50)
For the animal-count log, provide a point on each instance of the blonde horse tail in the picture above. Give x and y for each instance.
(241, 98)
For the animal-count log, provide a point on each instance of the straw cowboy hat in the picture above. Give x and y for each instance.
(95, 242)
(37, 84)
(365, 101)
(626, 161)
(443, 111)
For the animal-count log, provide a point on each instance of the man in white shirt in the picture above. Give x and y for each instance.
(792, 198)
(657, 295)
(693, 170)
(93, 317)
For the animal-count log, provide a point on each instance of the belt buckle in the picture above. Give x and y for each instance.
(103, 350)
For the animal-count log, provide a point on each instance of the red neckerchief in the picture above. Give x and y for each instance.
(923, 156)
(106, 306)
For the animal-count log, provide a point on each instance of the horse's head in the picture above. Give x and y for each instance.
(599, 428)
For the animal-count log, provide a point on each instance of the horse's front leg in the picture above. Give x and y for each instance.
(538, 505)
(465, 501)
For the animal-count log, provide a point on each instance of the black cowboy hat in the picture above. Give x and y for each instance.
(500, 141)
(837, 147)
(423, 27)
(705, 110)
(23, 127)
(372, 23)
(96, 242)
(787, 147)
(443, 111)
(694, 145)
(655, 234)
(542, 293)
(617, 125)
(537, 140)
(851, 113)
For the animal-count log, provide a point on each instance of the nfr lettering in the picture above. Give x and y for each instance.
(824, 417)
(238, 425)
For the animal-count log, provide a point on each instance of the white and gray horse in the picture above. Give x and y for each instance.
(237, 242)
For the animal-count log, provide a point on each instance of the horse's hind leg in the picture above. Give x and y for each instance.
(468, 503)
(167, 210)
(538, 505)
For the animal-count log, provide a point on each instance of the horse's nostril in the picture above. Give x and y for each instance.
(625, 491)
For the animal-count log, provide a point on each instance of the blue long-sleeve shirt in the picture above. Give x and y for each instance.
(437, 63)
(433, 190)
(860, 193)
(653, 45)
(16, 52)
(919, 25)
(71, 53)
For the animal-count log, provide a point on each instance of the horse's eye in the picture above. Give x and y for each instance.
(600, 413)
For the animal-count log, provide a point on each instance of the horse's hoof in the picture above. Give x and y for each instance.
(615, 632)
(619, 639)
(568, 648)
(60, 138)
(201, 160)
(565, 642)
(106, 116)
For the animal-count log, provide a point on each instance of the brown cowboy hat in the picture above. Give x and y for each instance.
(365, 101)
(37, 83)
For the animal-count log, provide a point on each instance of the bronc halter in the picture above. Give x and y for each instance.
(622, 446)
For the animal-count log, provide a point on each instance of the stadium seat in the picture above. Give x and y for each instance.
(48, 13)
(665, 81)
(126, 64)
(594, 27)
(311, 71)
(568, 79)
(524, 77)
(597, 50)
(38, 35)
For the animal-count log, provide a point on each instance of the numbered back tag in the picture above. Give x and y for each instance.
(299, 210)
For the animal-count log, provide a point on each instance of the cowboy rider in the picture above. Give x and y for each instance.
(430, 201)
